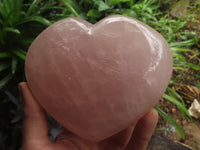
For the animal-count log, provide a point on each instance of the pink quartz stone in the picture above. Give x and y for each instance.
(96, 80)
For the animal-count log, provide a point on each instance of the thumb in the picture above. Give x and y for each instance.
(35, 130)
(143, 131)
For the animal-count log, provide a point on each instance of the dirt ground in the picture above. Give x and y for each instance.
(190, 127)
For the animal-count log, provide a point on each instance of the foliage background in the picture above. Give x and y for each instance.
(22, 20)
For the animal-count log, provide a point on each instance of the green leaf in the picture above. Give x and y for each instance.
(13, 30)
(69, 4)
(7, 5)
(3, 11)
(184, 43)
(22, 51)
(178, 68)
(173, 92)
(177, 49)
(94, 13)
(192, 66)
(179, 56)
(171, 121)
(1, 21)
(33, 5)
(37, 19)
(198, 85)
(5, 80)
(128, 12)
(26, 40)
(172, 82)
(10, 10)
(14, 65)
(101, 5)
(179, 63)
(4, 66)
(177, 103)
(20, 54)
(114, 2)
(4, 55)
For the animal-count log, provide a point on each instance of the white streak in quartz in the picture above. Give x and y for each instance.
(119, 19)
(59, 26)
(62, 44)
(83, 26)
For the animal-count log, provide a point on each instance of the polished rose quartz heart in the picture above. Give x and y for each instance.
(96, 80)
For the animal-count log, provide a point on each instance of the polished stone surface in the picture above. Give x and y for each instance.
(98, 79)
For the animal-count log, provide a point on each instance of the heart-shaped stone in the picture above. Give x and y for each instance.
(96, 80)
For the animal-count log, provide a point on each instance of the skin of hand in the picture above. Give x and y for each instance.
(35, 131)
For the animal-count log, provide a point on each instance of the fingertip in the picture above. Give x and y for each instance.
(154, 112)
(149, 120)
(151, 116)
(21, 86)
(143, 131)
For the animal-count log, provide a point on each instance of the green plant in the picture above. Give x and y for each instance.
(20, 23)
(176, 99)
(171, 121)
(94, 10)
(180, 61)
(169, 27)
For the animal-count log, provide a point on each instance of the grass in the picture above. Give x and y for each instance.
(22, 20)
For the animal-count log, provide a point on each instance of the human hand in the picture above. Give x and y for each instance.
(35, 131)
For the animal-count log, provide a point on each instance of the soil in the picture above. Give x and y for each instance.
(188, 92)
(158, 142)
(190, 127)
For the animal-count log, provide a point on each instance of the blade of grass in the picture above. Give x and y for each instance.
(192, 66)
(173, 92)
(178, 104)
(114, 2)
(13, 30)
(5, 55)
(171, 121)
(14, 65)
(4, 66)
(5, 80)
(32, 6)
(172, 82)
(184, 43)
(70, 7)
(178, 49)
(22, 51)
(179, 56)
(19, 54)
(178, 68)
(176, 95)
(7, 5)
(3, 11)
(26, 40)
(39, 19)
